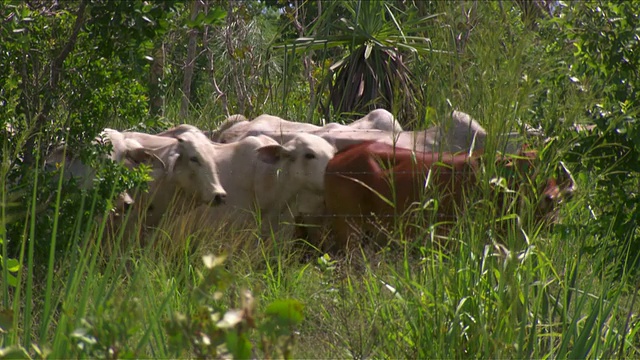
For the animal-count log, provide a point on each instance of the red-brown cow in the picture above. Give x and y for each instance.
(363, 182)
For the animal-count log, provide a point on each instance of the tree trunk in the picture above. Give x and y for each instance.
(155, 76)
(299, 23)
(49, 90)
(212, 68)
(233, 27)
(190, 62)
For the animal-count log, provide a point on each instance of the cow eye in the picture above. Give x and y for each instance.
(194, 159)
(310, 156)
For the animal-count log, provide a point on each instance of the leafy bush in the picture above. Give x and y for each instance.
(213, 330)
(596, 47)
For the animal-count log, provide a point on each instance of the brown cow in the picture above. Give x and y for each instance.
(374, 184)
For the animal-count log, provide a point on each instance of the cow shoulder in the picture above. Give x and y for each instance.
(230, 129)
(178, 130)
(380, 119)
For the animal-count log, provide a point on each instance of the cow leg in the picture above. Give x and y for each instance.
(342, 234)
(315, 232)
(309, 228)
(300, 231)
(270, 225)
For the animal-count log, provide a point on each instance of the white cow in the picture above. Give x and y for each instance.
(264, 177)
(236, 128)
(457, 133)
(73, 167)
(259, 175)
(184, 171)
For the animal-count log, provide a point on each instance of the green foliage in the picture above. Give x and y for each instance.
(373, 73)
(212, 330)
(71, 69)
(126, 29)
(596, 43)
(109, 331)
(12, 266)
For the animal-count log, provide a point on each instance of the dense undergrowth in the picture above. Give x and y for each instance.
(498, 287)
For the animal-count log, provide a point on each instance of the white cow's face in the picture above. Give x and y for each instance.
(74, 167)
(195, 168)
(303, 160)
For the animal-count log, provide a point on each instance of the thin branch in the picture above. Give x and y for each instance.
(66, 50)
(55, 67)
(190, 62)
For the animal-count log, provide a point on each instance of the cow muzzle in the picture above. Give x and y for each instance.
(217, 198)
(124, 203)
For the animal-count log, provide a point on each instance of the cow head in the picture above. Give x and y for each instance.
(558, 190)
(522, 170)
(189, 164)
(194, 167)
(304, 158)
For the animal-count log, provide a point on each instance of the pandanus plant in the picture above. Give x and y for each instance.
(374, 70)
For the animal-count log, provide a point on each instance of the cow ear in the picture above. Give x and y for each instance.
(142, 155)
(138, 155)
(271, 154)
(171, 162)
(568, 183)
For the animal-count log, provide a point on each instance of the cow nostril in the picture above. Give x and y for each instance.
(219, 199)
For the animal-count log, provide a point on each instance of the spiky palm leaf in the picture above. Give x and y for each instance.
(363, 83)
(373, 73)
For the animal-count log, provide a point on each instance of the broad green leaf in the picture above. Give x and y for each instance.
(238, 345)
(288, 312)
(6, 320)
(214, 16)
(13, 265)
(12, 280)
(14, 352)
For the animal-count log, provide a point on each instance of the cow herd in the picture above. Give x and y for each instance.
(282, 172)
